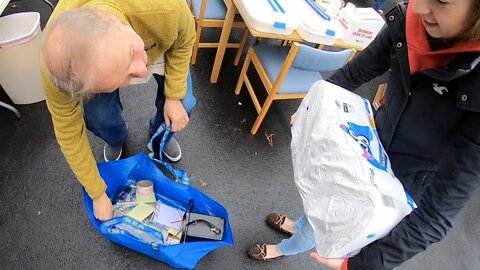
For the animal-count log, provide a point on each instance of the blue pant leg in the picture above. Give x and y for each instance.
(103, 117)
(188, 102)
(158, 119)
(302, 240)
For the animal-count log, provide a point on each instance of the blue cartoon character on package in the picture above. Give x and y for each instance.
(365, 137)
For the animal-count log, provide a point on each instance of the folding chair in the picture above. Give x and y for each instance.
(287, 72)
(211, 13)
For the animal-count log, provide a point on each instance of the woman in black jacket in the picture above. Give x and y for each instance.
(429, 124)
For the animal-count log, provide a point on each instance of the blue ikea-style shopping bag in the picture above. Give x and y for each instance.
(177, 194)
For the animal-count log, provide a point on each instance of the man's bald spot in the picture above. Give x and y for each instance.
(69, 41)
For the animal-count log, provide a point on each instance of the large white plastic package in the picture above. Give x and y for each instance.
(349, 192)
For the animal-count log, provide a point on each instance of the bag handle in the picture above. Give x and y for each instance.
(185, 219)
(212, 226)
(107, 228)
(163, 133)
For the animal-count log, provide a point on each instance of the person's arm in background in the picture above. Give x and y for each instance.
(453, 185)
(71, 134)
(177, 65)
(368, 64)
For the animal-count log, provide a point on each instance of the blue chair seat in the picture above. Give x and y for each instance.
(216, 9)
(297, 80)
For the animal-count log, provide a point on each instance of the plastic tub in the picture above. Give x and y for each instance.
(20, 44)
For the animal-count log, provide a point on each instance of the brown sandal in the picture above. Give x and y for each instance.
(276, 221)
(259, 252)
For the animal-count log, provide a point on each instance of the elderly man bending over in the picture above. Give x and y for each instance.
(94, 47)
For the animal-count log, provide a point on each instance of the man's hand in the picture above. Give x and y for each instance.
(102, 207)
(175, 113)
(335, 264)
(293, 118)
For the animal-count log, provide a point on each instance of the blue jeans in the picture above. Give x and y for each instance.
(103, 113)
(302, 240)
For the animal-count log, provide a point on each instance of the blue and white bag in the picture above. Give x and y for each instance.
(117, 174)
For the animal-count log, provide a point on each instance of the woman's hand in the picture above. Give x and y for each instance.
(335, 264)
(293, 118)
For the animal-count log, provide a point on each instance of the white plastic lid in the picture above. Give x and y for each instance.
(18, 28)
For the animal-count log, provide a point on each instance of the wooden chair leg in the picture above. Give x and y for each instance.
(379, 99)
(262, 114)
(196, 44)
(243, 73)
(243, 40)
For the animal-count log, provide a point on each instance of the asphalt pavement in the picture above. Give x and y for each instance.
(43, 223)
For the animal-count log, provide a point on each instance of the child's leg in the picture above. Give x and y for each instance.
(301, 241)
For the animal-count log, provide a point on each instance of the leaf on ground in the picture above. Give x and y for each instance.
(269, 137)
(203, 183)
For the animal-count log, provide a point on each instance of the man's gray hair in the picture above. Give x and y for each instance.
(79, 29)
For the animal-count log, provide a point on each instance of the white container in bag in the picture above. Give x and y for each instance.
(350, 195)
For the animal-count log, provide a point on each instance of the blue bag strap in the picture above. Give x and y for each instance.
(163, 133)
(108, 228)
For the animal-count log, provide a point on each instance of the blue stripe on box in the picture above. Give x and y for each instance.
(330, 33)
(318, 10)
(271, 4)
(276, 6)
(280, 25)
(279, 6)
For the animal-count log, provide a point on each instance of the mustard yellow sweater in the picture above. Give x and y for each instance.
(169, 25)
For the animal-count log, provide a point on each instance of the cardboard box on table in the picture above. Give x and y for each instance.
(361, 25)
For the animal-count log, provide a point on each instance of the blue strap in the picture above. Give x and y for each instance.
(163, 133)
(109, 227)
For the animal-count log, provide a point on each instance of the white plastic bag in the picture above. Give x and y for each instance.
(349, 192)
